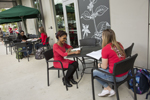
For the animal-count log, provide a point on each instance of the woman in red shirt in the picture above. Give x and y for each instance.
(43, 38)
(112, 52)
(59, 50)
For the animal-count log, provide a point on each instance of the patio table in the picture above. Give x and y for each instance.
(33, 42)
(85, 50)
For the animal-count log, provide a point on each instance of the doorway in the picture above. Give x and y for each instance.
(70, 16)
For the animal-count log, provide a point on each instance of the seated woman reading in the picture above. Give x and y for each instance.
(59, 50)
(43, 38)
(112, 52)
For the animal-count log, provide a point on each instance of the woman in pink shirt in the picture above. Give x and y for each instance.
(112, 52)
(43, 38)
(59, 50)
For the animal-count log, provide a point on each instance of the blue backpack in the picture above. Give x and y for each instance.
(142, 77)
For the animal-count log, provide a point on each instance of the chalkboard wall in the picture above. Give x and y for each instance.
(94, 18)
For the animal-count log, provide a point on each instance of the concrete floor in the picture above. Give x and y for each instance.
(28, 81)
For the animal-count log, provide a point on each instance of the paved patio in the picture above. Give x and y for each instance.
(27, 81)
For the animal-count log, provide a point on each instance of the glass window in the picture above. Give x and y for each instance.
(36, 4)
(60, 24)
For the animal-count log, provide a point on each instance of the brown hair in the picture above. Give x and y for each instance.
(110, 37)
(60, 33)
(42, 30)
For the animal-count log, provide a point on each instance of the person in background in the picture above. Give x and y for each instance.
(23, 38)
(1, 35)
(59, 50)
(10, 30)
(43, 38)
(112, 52)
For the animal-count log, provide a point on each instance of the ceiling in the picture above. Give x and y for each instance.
(7, 3)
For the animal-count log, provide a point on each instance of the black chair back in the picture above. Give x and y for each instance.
(124, 65)
(88, 42)
(20, 45)
(47, 39)
(48, 54)
(128, 50)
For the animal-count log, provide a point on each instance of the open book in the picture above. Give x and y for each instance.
(75, 49)
(95, 54)
(32, 40)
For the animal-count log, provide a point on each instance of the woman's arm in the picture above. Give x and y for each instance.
(68, 46)
(60, 52)
(104, 64)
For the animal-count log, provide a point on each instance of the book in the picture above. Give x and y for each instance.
(75, 49)
(95, 54)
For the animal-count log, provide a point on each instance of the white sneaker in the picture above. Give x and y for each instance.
(104, 93)
(111, 93)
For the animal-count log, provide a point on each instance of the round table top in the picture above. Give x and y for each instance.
(85, 50)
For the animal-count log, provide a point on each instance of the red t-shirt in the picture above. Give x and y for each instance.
(10, 30)
(111, 55)
(43, 37)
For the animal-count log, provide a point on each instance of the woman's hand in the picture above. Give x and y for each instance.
(99, 65)
(77, 52)
(69, 50)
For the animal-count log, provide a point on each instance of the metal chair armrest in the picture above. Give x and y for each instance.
(57, 61)
(101, 71)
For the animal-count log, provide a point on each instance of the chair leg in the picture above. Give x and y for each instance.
(18, 57)
(135, 97)
(78, 63)
(47, 77)
(58, 74)
(77, 74)
(6, 50)
(117, 93)
(93, 92)
(11, 50)
(112, 86)
(128, 84)
(28, 56)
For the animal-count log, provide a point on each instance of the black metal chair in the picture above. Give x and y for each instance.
(47, 45)
(119, 68)
(128, 50)
(11, 45)
(8, 41)
(21, 45)
(49, 55)
(88, 42)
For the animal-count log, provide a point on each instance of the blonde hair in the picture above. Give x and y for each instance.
(110, 37)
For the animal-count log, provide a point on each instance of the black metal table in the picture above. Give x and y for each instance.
(85, 50)
(33, 42)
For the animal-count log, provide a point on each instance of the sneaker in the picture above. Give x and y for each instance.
(111, 93)
(103, 93)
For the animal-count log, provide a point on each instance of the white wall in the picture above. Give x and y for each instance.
(49, 20)
(129, 20)
(31, 23)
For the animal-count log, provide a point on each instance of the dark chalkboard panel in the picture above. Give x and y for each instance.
(94, 18)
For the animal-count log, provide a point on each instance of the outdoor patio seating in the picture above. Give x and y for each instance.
(119, 68)
(48, 56)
